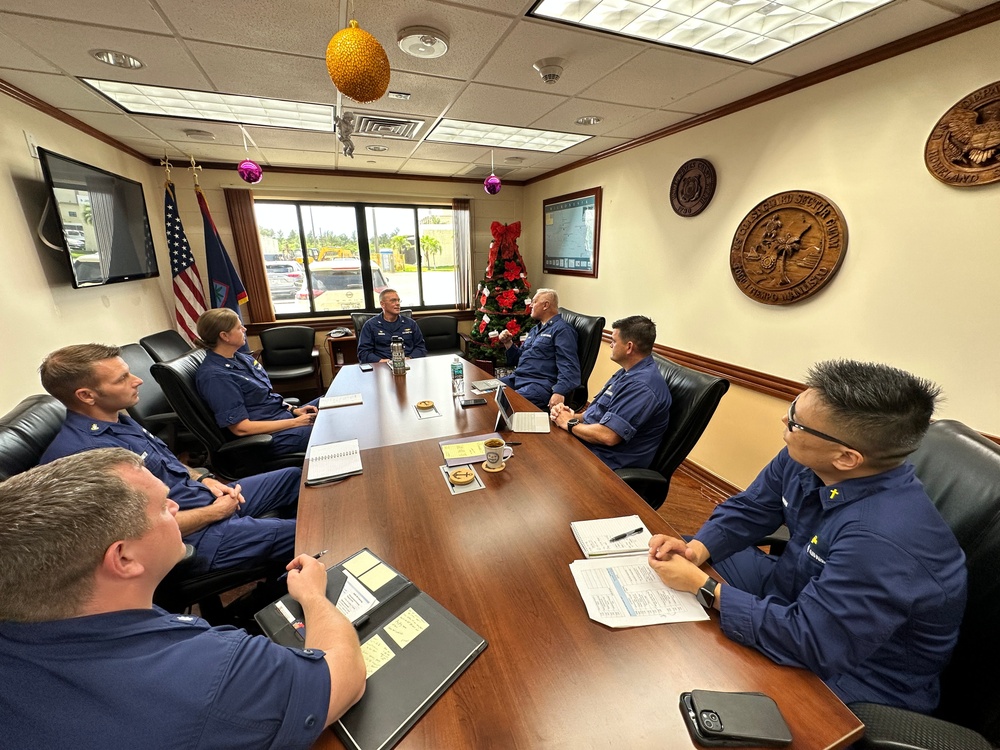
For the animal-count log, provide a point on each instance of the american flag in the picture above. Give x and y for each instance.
(189, 301)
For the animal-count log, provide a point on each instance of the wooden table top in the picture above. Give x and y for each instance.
(499, 559)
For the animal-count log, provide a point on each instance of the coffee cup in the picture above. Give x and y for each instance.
(497, 452)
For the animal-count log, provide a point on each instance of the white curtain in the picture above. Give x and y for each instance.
(462, 217)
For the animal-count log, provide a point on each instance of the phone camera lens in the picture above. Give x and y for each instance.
(711, 721)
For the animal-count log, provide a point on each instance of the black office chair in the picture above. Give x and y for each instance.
(360, 318)
(153, 411)
(26, 431)
(694, 399)
(589, 331)
(289, 353)
(441, 334)
(230, 456)
(165, 345)
(960, 470)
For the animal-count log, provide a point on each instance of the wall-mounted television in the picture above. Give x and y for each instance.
(103, 220)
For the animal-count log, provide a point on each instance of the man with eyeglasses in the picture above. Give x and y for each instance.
(870, 591)
(375, 337)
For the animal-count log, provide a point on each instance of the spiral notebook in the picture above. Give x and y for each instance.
(332, 461)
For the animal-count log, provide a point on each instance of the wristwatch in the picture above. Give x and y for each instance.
(706, 594)
(571, 424)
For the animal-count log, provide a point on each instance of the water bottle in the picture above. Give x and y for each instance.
(457, 377)
(398, 355)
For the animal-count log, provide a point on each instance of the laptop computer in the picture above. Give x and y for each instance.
(522, 421)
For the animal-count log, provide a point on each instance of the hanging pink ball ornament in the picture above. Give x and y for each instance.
(251, 172)
(492, 184)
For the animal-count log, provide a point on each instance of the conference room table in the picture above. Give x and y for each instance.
(498, 558)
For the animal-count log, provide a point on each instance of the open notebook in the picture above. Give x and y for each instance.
(332, 461)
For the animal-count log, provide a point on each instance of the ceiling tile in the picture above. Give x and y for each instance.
(482, 103)
(59, 90)
(136, 15)
(172, 129)
(563, 117)
(440, 168)
(451, 152)
(650, 123)
(731, 89)
(117, 126)
(430, 96)
(15, 55)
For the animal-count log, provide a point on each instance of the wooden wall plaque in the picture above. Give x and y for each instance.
(788, 247)
(964, 147)
(693, 187)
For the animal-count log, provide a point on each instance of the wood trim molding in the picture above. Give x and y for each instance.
(713, 487)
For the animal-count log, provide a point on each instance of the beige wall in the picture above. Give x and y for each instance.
(920, 278)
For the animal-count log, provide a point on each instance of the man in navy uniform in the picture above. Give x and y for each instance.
(375, 338)
(218, 519)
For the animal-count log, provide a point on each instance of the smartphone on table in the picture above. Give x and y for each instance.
(465, 402)
(721, 719)
(366, 367)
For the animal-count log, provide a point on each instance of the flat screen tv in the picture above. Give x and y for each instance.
(103, 221)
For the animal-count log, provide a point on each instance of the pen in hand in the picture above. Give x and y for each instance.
(626, 535)
(317, 556)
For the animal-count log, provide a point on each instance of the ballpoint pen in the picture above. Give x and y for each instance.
(619, 537)
(317, 556)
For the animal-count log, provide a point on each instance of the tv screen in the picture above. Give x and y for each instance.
(103, 221)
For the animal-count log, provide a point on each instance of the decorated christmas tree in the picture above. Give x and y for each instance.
(503, 298)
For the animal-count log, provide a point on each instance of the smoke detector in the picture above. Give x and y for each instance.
(423, 42)
(550, 68)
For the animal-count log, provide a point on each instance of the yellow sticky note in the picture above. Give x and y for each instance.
(406, 627)
(377, 577)
(463, 450)
(360, 563)
(376, 655)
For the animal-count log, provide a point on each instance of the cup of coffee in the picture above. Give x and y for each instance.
(497, 452)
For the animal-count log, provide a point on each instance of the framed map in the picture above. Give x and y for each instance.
(572, 233)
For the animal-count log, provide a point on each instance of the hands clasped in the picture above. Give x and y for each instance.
(677, 563)
(304, 416)
(227, 499)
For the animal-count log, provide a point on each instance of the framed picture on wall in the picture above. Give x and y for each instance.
(572, 233)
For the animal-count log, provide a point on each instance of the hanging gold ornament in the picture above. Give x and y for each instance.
(357, 64)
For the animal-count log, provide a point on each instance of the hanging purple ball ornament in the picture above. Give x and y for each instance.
(492, 184)
(250, 171)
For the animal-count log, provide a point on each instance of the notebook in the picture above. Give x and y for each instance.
(594, 537)
(332, 461)
(485, 385)
(521, 421)
(346, 399)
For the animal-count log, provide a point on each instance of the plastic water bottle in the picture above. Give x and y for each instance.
(457, 377)
(398, 355)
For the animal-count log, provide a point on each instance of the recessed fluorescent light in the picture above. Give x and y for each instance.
(117, 59)
(140, 99)
(744, 30)
(502, 136)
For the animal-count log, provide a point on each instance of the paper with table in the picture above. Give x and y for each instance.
(466, 450)
(346, 399)
(594, 537)
(333, 461)
(624, 592)
(413, 648)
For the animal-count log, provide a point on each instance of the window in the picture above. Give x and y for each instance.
(339, 257)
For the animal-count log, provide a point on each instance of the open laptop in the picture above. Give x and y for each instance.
(522, 421)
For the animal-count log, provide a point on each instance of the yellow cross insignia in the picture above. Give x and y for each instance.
(814, 540)
(834, 493)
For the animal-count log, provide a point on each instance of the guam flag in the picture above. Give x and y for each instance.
(226, 288)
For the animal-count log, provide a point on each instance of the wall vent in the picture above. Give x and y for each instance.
(387, 127)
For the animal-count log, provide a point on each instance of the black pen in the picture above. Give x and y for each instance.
(317, 556)
(513, 443)
(619, 537)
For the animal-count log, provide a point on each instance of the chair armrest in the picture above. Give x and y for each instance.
(650, 485)
(464, 342)
(250, 442)
(889, 728)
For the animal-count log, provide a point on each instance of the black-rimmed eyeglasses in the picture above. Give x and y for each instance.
(793, 425)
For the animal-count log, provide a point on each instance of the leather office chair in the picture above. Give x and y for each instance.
(165, 345)
(290, 353)
(960, 470)
(230, 456)
(694, 398)
(589, 331)
(440, 334)
(360, 318)
(26, 431)
(153, 411)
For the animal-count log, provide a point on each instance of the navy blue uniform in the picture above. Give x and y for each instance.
(869, 593)
(546, 363)
(375, 339)
(143, 678)
(635, 405)
(240, 538)
(239, 388)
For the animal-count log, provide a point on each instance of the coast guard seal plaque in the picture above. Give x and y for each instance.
(788, 247)
(692, 187)
(964, 147)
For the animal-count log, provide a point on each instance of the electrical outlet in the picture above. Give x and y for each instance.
(32, 146)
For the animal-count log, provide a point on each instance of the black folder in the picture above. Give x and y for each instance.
(405, 686)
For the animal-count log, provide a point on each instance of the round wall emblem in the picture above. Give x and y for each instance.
(692, 187)
(964, 147)
(788, 247)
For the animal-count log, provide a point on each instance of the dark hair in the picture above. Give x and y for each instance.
(881, 410)
(638, 329)
(72, 367)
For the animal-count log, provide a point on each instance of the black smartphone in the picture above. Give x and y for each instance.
(721, 719)
(472, 402)
(366, 367)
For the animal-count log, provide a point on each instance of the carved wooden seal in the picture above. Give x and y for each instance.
(692, 187)
(788, 247)
(964, 147)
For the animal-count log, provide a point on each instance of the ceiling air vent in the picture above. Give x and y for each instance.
(387, 127)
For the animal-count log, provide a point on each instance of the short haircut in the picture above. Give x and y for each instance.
(638, 329)
(882, 411)
(382, 295)
(56, 523)
(213, 322)
(551, 293)
(72, 367)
